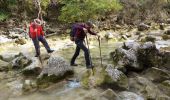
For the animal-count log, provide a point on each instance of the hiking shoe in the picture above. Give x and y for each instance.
(90, 66)
(37, 55)
(74, 64)
(50, 51)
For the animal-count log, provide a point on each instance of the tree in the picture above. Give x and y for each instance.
(82, 10)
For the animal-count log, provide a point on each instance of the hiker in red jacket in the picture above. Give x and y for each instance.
(36, 34)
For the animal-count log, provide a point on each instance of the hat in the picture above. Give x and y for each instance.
(37, 21)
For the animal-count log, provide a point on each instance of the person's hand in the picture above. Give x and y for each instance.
(85, 30)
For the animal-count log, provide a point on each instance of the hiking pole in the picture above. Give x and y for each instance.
(89, 54)
(100, 50)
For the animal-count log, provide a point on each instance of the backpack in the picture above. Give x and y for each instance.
(73, 32)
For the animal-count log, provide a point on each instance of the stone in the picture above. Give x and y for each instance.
(20, 62)
(165, 87)
(126, 95)
(145, 87)
(116, 77)
(29, 86)
(143, 27)
(20, 41)
(4, 66)
(109, 94)
(34, 68)
(156, 74)
(56, 70)
(167, 32)
(163, 97)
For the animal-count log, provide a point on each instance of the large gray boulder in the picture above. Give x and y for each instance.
(56, 70)
(116, 77)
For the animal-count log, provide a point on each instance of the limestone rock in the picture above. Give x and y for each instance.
(116, 77)
(56, 70)
(145, 87)
(125, 95)
(109, 94)
(156, 74)
(3, 65)
(143, 27)
(165, 87)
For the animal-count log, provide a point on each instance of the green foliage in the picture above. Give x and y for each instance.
(3, 15)
(82, 10)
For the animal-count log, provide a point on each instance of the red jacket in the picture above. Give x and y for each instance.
(33, 33)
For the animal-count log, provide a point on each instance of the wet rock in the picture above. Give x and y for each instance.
(109, 35)
(109, 94)
(147, 55)
(143, 27)
(4, 66)
(131, 45)
(156, 74)
(126, 58)
(149, 38)
(116, 77)
(8, 57)
(20, 41)
(163, 97)
(29, 86)
(145, 87)
(167, 32)
(165, 37)
(34, 68)
(125, 95)
(165, 87)
(56, 70)
(20, 62)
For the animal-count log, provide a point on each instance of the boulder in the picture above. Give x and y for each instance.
(4, 66)
(8, 57)
(156, 74)
(34, 68)
(147, 55)
(126, 58)
(167, 32)
(109, 94)
(20, 62)
(165, 87)
(20, 41)
(56, 70)
(163, 97)
(29, 86)
(143, 27)
(115, 77)
(145, 87)
(126, 95)
(149, 38)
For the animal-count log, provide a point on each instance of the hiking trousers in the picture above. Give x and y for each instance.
(37, 46)
(80, 45)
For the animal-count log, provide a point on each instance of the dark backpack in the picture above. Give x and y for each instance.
(73, 32)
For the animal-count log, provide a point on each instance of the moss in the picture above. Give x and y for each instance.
(165, 37)
(45, 80)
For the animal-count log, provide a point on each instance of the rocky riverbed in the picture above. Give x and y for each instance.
(136, 66)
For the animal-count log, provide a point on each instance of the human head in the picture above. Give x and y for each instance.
(89, 25)
(37, 21)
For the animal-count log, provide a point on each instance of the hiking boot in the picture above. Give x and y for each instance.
(74, 64)
(50, 51)
(90, 66)
(37, 55)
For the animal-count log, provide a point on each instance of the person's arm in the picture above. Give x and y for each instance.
(41, 31)
(30, 30)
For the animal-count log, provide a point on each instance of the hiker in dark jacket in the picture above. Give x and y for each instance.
(80, 30)
(36, 34)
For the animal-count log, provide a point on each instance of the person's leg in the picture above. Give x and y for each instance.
(86, 53)
(77, 51)
(37, 47)
(44, 42)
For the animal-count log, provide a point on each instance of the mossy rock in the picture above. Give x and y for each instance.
(165, 87)
(165, 37)
(45, 80)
